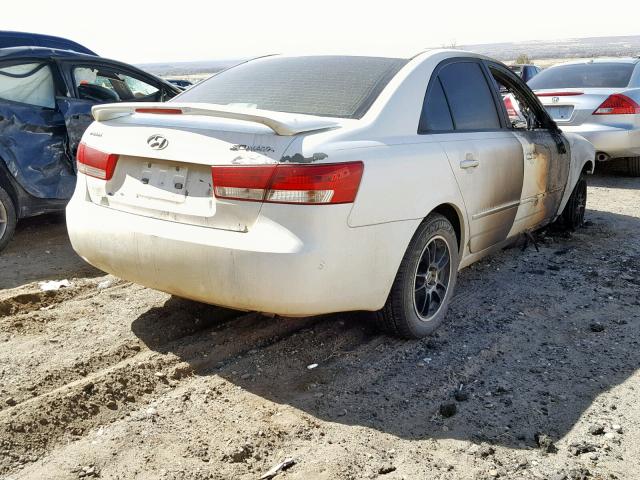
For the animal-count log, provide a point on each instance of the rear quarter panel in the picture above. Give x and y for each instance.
(404, 181)
(405, 176)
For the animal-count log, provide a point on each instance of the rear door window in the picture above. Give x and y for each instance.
(30, 83)
(469, 96)
(435, 110)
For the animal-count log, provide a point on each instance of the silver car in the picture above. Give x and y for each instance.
(600, 100)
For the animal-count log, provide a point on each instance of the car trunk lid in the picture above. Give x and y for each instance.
(573, 106)
(164, 159)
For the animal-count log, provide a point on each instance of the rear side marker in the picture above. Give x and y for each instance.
(295, 184)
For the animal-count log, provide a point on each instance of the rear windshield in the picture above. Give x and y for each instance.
(331, 86)
(584, 75)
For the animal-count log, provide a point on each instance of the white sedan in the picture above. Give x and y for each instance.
(307, 185)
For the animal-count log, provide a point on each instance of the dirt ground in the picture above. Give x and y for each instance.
(535, 374)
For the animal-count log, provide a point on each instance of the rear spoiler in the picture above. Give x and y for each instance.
(281, 123)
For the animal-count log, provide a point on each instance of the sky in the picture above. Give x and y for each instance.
(170, 31)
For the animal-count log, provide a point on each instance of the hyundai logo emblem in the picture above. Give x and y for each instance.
(555, 99)
(157, 142)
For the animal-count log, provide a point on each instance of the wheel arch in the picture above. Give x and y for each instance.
(589, 167)
(454, 215)
(583, 156)
(7, 183)
(388, 316)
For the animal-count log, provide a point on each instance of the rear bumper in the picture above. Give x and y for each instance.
(322, 266)
(615, 141)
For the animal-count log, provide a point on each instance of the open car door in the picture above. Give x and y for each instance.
(33, 141)
(95, 83)
(77, 117)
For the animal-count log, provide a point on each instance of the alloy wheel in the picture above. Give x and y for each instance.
(432, 278)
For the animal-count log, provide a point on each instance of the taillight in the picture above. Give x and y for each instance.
(298, 184)
(242, 182)
(509, 106)
(95, 163)
(617, 104)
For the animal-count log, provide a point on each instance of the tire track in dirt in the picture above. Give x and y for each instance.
(182, 318)
(23, 303)
(39, 424)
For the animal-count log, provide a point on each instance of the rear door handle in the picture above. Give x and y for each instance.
(469, 163)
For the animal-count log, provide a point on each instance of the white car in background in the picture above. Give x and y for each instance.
(307, 185)
(600, 100)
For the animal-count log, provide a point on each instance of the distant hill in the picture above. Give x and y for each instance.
(560, 49)
(188, 68)
(507, 51)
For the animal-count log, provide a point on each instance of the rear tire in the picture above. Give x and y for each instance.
(633, 166)
(424, 284)
(573, 214)
(8, 218)
(623, 166)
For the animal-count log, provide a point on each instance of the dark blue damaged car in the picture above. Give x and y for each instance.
(46, 95)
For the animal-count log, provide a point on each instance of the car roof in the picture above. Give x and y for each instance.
(41, 52)
(10, 39)
(632, 60)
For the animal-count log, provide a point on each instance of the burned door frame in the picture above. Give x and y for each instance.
(546, 155)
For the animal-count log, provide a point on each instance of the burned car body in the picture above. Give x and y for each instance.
(46, 97)
(280, 184)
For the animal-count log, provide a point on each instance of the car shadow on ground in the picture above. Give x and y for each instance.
(530, 342)
(43, 240)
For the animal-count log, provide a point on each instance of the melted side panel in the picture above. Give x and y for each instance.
(33, 144)
(546, 171)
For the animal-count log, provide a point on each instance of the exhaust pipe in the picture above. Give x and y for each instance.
(602, 157)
